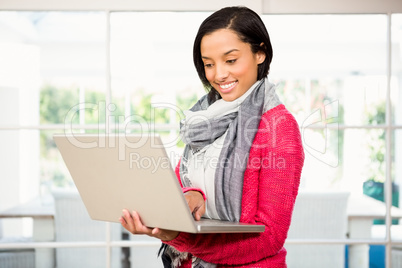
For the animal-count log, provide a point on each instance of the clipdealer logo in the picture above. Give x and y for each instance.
(323, 146)
(149, 163)
(118, 126)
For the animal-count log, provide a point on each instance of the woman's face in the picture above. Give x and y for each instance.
(230, 65)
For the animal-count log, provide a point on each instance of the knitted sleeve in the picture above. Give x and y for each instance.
(270, 188)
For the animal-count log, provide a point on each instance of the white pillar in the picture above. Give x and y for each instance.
(19, 106)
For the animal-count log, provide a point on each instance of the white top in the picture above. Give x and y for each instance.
(202, 166)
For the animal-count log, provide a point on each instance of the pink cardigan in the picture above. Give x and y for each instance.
(271, 183)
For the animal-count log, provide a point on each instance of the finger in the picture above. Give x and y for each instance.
(123, 221)
(139, 226)
(200, 212)
(156, 232)
(126, 214)
(128, 221)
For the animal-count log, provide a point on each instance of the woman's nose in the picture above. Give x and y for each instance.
(221, 72)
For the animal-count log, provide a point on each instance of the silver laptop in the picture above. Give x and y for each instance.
(133, 172)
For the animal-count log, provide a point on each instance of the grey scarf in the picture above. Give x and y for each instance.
(241, 127)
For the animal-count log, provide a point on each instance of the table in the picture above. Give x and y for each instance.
(43, 226)
(361, 211)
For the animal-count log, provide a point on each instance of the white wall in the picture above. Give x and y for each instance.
(332, 6)
(140, 5)
(265, 6)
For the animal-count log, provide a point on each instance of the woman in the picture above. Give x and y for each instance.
(243, 156)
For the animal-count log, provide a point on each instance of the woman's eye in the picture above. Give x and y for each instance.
(208, 65)
(231, 61)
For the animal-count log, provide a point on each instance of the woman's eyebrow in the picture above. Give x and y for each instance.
(230, 51)
(226, 53)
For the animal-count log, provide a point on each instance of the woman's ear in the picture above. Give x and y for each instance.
(260, 55)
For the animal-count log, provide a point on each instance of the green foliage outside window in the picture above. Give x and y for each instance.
(56, 104)
(376, 142)
(142, 106)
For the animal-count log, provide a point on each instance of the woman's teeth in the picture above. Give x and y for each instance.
(227, 85)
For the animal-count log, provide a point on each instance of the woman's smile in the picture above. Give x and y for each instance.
(227, 87)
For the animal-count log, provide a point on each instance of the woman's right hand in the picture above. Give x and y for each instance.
(196, 203)
(132, 223)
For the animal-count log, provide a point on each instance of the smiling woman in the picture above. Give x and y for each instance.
(240, 116)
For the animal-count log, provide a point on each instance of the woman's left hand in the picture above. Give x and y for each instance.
(132, 223)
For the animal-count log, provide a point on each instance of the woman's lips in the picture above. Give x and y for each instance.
(225, 88)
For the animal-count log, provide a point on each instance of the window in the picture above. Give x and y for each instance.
(95, 71)
(334, 81)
